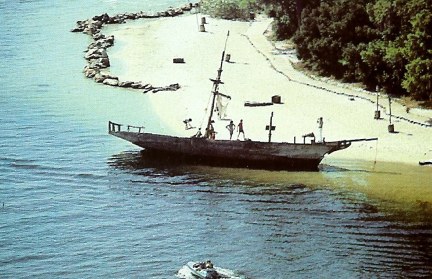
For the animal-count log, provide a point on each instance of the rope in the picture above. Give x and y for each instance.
(205, 112)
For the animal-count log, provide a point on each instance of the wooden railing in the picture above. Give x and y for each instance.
(135, 127)
(115, 127)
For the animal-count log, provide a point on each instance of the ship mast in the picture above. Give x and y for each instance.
(215, 91)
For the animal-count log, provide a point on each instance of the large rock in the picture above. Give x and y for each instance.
(111, 82)
(96, 53)
(98, 36)
(78, 29)
(103, 53)
(92, 53)
(90, 73)
(104, 62)
(125, 84)
(100, 63)
(110, 40)
(187, 7)
(137, 85)
(81, 26)
(103, 17)
(99, 77)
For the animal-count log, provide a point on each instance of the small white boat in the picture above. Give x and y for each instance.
(205, 270)
(200, 270)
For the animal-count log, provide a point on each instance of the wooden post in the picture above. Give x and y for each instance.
(390, 126)
(377, 111)
(270, 127)
(251, 15)
(390, 109)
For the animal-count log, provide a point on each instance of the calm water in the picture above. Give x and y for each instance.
(77, 203)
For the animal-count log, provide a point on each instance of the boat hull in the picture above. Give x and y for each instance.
(269, 164)
(197, 273)
(244, 154)
(205, 273)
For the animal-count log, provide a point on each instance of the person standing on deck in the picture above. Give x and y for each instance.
(240, 129)
(231, 128)
(210, 131)
(320, 126)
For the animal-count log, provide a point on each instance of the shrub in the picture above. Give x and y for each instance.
(228, 9)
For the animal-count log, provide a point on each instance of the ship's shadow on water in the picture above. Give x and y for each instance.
(147, 164)
(139, 160)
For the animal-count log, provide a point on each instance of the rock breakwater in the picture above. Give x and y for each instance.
(96, 55)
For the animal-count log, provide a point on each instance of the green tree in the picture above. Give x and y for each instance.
(404, 47)
(378, 42)
(418, 77)
(287, 15)
(229, 9)
(385, 65)
(329, 34)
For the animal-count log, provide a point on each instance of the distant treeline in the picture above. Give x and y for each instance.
(381, 43)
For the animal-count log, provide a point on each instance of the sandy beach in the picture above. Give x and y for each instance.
(257, 71)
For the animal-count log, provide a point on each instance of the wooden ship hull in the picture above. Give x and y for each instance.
(232, 153)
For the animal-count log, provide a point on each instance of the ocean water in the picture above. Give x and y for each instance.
(77, 203)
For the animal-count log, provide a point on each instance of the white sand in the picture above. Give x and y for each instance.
(145, 50)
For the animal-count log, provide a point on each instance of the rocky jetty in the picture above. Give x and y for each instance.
(96, 53)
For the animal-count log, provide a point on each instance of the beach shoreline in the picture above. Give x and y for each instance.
(257, 71)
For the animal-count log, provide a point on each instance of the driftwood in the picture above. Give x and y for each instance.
(257, 104)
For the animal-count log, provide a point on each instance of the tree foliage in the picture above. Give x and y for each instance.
(385, 43)
(287, 14)
(228, 9)
(418, 76)
(332, 31)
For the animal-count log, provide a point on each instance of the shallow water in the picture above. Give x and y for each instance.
(76, 203)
